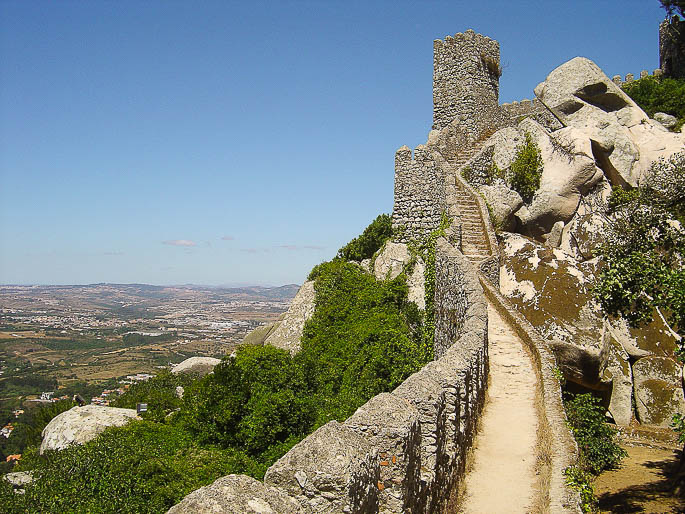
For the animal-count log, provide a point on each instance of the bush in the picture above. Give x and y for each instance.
(526, 169)
(370, 241)
(654, 94)
(581, 481)
(158, 392)
(620, 197)
(141, 467)
(595, 438)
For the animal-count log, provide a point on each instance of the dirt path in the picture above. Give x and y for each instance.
(640, 484)
(502, 475)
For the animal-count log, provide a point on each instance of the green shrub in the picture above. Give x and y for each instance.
(654, 94)
(158, 392)
(620, 197)
(141, 467)
(596, 439)
(526, 169)
(370, 241)
(581, 481)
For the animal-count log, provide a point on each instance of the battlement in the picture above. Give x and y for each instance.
(466, 71)
(419, 193)
(616, 79)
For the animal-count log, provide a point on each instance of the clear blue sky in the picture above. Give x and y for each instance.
(225, 142)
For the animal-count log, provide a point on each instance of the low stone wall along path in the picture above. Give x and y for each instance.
(502, 475)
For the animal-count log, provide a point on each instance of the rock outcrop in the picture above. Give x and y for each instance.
(79, 425)
(196, 365)
(658, 390)
(392, 260)
(289, 331)
(624, 140)
(553, 291)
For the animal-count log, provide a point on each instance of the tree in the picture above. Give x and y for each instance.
(673, 7)
(644, 248)
(644, 258)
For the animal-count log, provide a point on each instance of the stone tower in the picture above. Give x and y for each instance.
(672, 48)
(466, 73)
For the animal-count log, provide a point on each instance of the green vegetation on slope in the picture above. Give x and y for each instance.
(656, 94)
(364, 338)
(365, 245)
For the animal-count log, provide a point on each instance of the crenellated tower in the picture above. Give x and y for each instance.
(466, 71)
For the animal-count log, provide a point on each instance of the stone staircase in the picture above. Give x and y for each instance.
(475, 239)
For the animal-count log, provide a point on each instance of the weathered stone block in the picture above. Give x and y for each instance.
(332, 470)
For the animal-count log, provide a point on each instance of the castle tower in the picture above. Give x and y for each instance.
(466, 73)
(672, 48)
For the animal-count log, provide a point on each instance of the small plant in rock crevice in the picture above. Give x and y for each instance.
(525, 171)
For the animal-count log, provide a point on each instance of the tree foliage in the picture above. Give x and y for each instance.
(644, 248)
(526, 169)
(657, 94)
(673, 7)
(371, 240)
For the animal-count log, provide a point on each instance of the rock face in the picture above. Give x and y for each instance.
(390, 263)
(553, 291)
(658, 390)
(261, 334)
(79, 425)
(624, 140)
(503, 202)
(666, 120)
(289, 332)
(391, 260)
(197, 365)
(236, 494)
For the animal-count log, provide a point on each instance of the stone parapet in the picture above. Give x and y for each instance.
(403, 451)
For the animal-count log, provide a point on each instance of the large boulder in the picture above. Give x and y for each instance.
(619, 373)
(79, 425)
(289, 332)
(236, 494)
(553, 291)
(262, 333)
(569, 171)
(624, 140)
(503, 203)
(196, 365)
(392, 260)
(658, 390)
(582, 235)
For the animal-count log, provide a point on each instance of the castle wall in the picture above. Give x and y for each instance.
(534, 109)
(616, 79)
(404, 451)
(466, 73)
(419, 193)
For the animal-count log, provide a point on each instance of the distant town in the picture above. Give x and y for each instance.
(97, 340)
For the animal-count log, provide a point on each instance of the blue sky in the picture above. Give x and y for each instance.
(225, 142)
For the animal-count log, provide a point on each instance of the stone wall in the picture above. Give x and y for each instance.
(401, 452)
(419, 193)
(534, 109)
(616, 79)
(466, 71)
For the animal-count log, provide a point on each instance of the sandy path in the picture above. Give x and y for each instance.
(502, 475)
